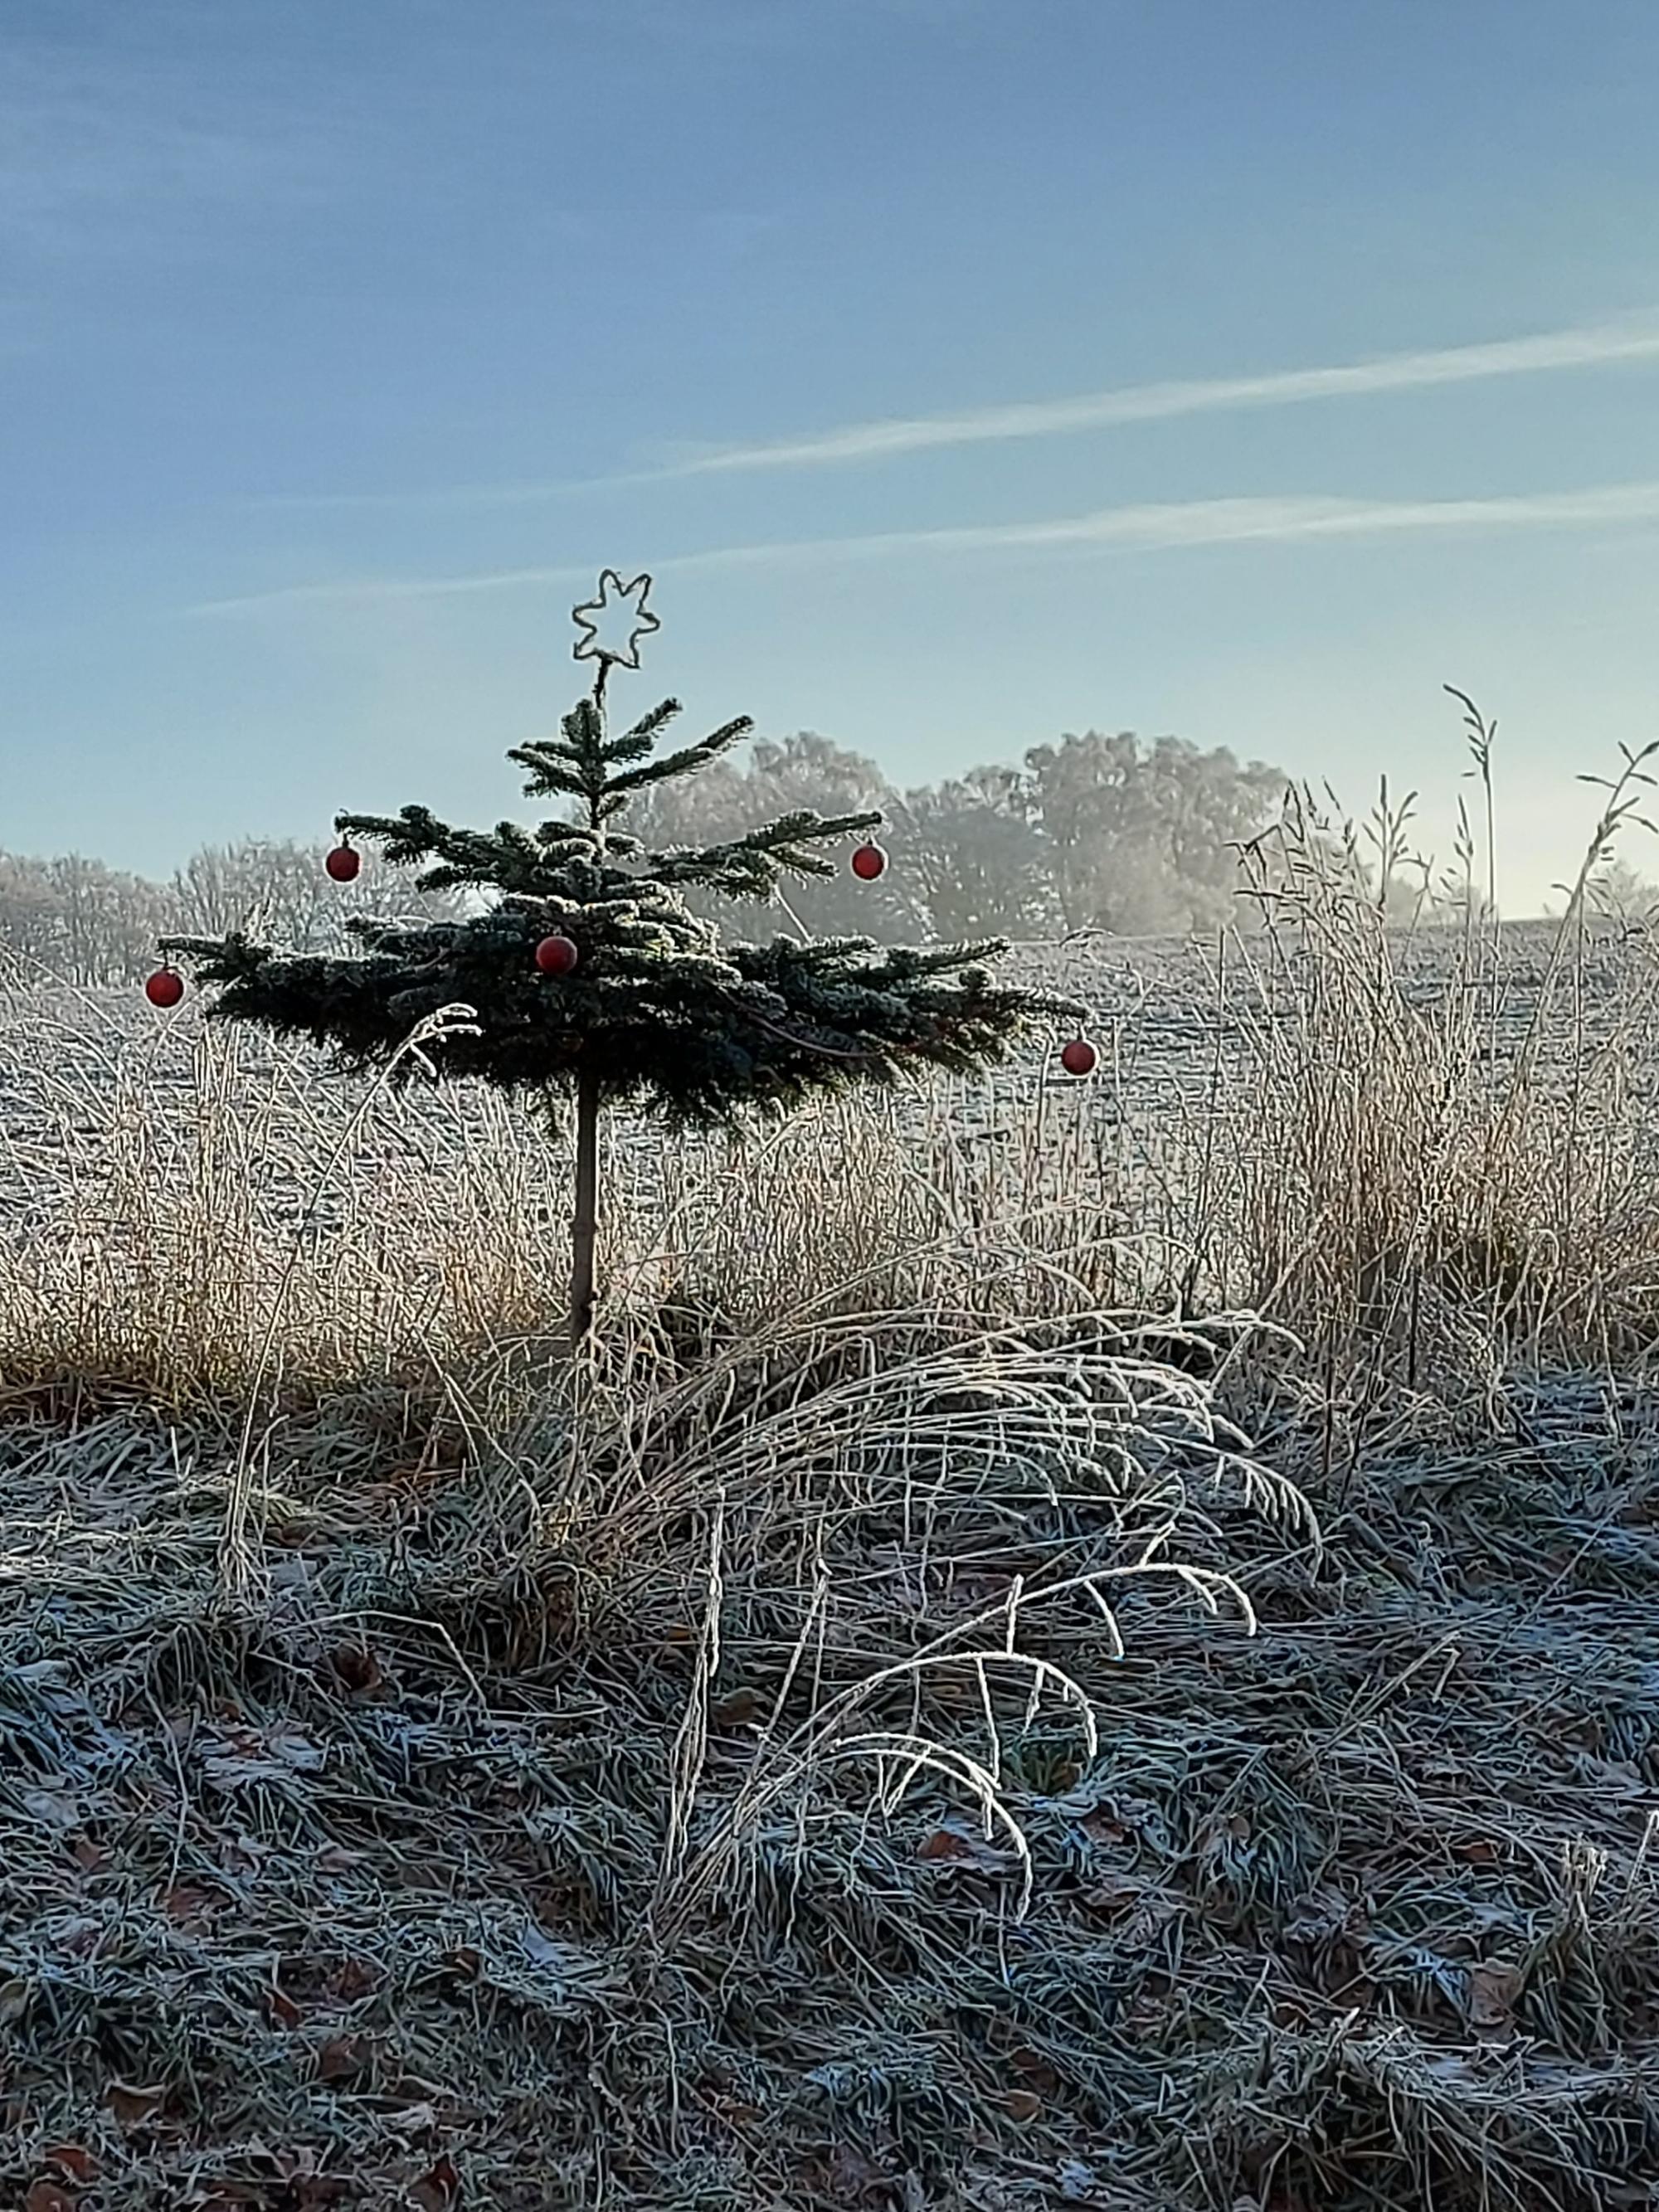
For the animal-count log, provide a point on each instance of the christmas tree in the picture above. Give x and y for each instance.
(593, 982)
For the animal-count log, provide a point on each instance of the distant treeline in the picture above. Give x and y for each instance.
(1100, 832)
(1097, 832)
(76, 919)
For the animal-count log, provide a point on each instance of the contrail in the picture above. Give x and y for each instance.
(1593, 345)
(1157, 526)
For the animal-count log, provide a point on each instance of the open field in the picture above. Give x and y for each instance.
(909, 1723)
(809, 1403)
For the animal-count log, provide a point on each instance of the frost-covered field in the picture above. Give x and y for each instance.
(1181, 1025)
(415, 1751)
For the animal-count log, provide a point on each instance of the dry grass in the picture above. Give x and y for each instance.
(1413, 1172)
(877, 1733)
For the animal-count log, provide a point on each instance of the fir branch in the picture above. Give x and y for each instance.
(751, 866)
(550, 772)
(638, 742)
(510, 859)
(657, 1010)
(686, 762)
(570, 763)
(556, 831)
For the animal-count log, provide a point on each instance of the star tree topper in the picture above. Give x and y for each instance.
(616, 599)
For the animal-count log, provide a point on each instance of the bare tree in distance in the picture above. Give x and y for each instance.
(976, 854)
(1622, 894)
(1142, 841)
(282, 888)
(782, 777)
(1096, 831)
(29, 916)
(74, 920)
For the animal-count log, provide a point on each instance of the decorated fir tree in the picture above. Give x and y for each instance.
(592, 983)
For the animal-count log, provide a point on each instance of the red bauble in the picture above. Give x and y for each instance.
(556, 956)
(868, 861)
(343, 864)
(165, 988)
(1078, 1057)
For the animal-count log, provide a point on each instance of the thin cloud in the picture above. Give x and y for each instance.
(346, 590)
(1592, 345)
(1163, 527)
(150, 146)
(446, 496)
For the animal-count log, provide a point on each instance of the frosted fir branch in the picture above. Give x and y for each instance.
(637, 742)
(509, 858)
(686, 762)
(751, 867)
(574, 764)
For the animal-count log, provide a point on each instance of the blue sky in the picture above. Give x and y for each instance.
(1245, 372)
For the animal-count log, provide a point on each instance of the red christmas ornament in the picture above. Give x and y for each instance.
(556, 956)
(165, 988)
(1078, 1057)
(343, 863)
(868, 861)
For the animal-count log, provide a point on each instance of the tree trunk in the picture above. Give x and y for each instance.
(585, 1225)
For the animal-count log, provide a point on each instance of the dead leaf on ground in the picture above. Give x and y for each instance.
(438, 2187)
(318, 2192)
(357, 1667)
(189, 1905)
(1494, 1991)
(956, 1843)
(133, 2105)
(74, 2159)
(1476, 1851)
(1235, 1830)
(854, 2177)
(341, 2058)
(46, 2195)
(1020, 2104)
(1101, 1828)
(1033, 2067)
(355, 1977)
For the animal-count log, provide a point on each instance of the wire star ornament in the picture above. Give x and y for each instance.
(616, 599)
